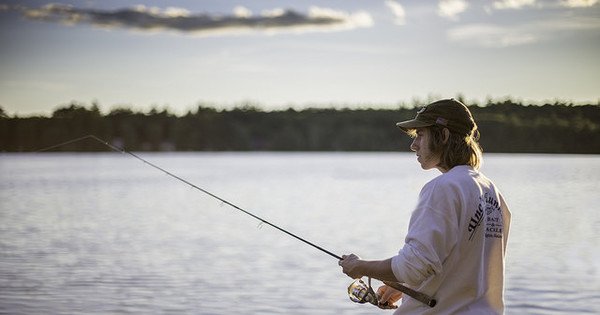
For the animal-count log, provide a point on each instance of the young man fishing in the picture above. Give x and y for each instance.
(456, 242)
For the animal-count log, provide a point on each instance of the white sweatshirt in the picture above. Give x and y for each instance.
(455, 246)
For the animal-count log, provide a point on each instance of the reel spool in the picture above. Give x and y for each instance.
(360, 292)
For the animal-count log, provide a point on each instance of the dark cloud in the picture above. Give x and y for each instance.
(180, 20)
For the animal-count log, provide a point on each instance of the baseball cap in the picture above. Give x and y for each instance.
(448, 113)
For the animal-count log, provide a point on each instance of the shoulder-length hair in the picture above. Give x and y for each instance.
(457, 150)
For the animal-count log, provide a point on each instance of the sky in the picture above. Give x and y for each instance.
(303, 53)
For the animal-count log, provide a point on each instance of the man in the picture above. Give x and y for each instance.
(456, 242)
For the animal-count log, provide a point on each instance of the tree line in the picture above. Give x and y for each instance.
(505, 126)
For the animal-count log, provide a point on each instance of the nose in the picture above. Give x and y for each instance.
(414, 146)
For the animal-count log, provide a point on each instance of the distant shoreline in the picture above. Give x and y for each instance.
(505, 127)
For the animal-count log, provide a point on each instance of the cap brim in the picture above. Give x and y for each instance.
(412, 124)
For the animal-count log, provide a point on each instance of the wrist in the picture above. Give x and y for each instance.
(364, 268)
(377, 269)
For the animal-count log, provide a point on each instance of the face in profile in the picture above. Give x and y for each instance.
(421, 146)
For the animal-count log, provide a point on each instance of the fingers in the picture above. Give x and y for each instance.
(384, 294)
(346, 259)
(349, 265)
(351, 257)
(381, 291)
(388, 296)
(387, 306)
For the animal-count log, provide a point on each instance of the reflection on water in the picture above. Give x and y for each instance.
(104, 233)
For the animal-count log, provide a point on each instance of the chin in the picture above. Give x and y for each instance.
(427, 166)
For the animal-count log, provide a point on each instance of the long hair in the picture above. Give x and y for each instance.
(457, 150)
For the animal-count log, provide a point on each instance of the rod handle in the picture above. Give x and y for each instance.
(421, 297)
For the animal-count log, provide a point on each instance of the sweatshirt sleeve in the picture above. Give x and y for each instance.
(432, 234)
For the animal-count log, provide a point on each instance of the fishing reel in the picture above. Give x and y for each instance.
(360, 292)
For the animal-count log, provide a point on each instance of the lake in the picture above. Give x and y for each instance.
(104, 233)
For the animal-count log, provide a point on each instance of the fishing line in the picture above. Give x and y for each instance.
(261, 220)
(416, 295)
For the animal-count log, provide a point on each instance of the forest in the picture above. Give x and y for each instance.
(505, 126)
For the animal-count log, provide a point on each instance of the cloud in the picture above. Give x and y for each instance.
(489, 36)
(550, 4)
(242, 20)
(452, 8)
(242, 12)
(578, 3)
(512, 4)
(569, 24)
(496, 36)
(398, 11)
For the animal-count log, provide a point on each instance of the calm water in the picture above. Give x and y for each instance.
(106, 234)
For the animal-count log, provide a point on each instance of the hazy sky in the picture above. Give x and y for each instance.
(294, 53)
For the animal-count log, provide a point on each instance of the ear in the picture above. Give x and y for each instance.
(446, 135)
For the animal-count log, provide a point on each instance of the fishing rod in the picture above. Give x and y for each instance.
(358, 290)
(262, 221)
